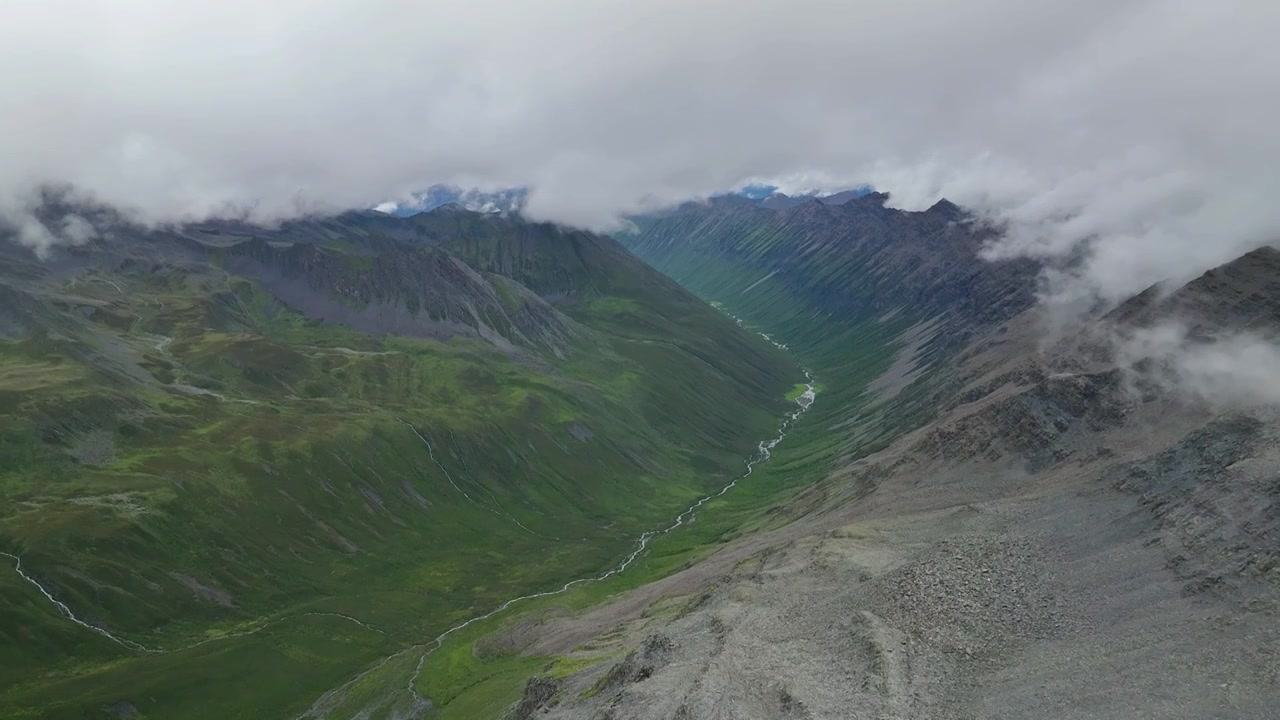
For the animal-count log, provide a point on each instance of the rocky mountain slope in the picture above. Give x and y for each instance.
(240, 465)
(1076, 530)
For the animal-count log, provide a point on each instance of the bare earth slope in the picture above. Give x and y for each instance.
(1062, 541)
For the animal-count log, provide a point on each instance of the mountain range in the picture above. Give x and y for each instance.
(760, 457)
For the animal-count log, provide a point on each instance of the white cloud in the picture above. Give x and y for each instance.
(1145, 125)
(76, 230)
(1234, 370)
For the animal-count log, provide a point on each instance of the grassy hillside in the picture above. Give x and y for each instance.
(214, 451)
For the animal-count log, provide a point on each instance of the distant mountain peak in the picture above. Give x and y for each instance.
(782, 201)
(450, 208)
(509, 200)
(875, 198)
(1265, 254)
(946, 208)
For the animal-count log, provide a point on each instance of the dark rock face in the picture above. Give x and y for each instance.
(122, 709)
(637, 666)
(1034, 424)
(538, 693)
(1219, 508)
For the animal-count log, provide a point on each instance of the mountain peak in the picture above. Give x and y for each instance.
(450, 208)
(1237, 294)
(946, 208)
(875, 198)
(1267, 255)
(781, 201)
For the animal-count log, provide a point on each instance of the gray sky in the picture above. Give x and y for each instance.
(1146, 125)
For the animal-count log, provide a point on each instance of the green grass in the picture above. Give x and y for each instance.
(304, 489)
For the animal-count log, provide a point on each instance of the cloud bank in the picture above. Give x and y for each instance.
(1233, 370)
(1142, 128)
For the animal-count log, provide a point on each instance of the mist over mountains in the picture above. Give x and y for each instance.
(513, 199)
(639, 360)
(1132, 133)
(473, 199)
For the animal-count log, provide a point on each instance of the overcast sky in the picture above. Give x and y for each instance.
(1147, 125)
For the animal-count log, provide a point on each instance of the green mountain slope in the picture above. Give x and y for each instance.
(849, 287)
(258, 461)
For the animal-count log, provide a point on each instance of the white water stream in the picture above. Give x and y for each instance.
(130, 644)
(66, 611)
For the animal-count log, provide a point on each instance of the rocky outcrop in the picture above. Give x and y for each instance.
(539, 692)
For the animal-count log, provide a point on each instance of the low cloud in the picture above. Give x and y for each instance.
(1138, 131)
(30, 223)
(1231, 370)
